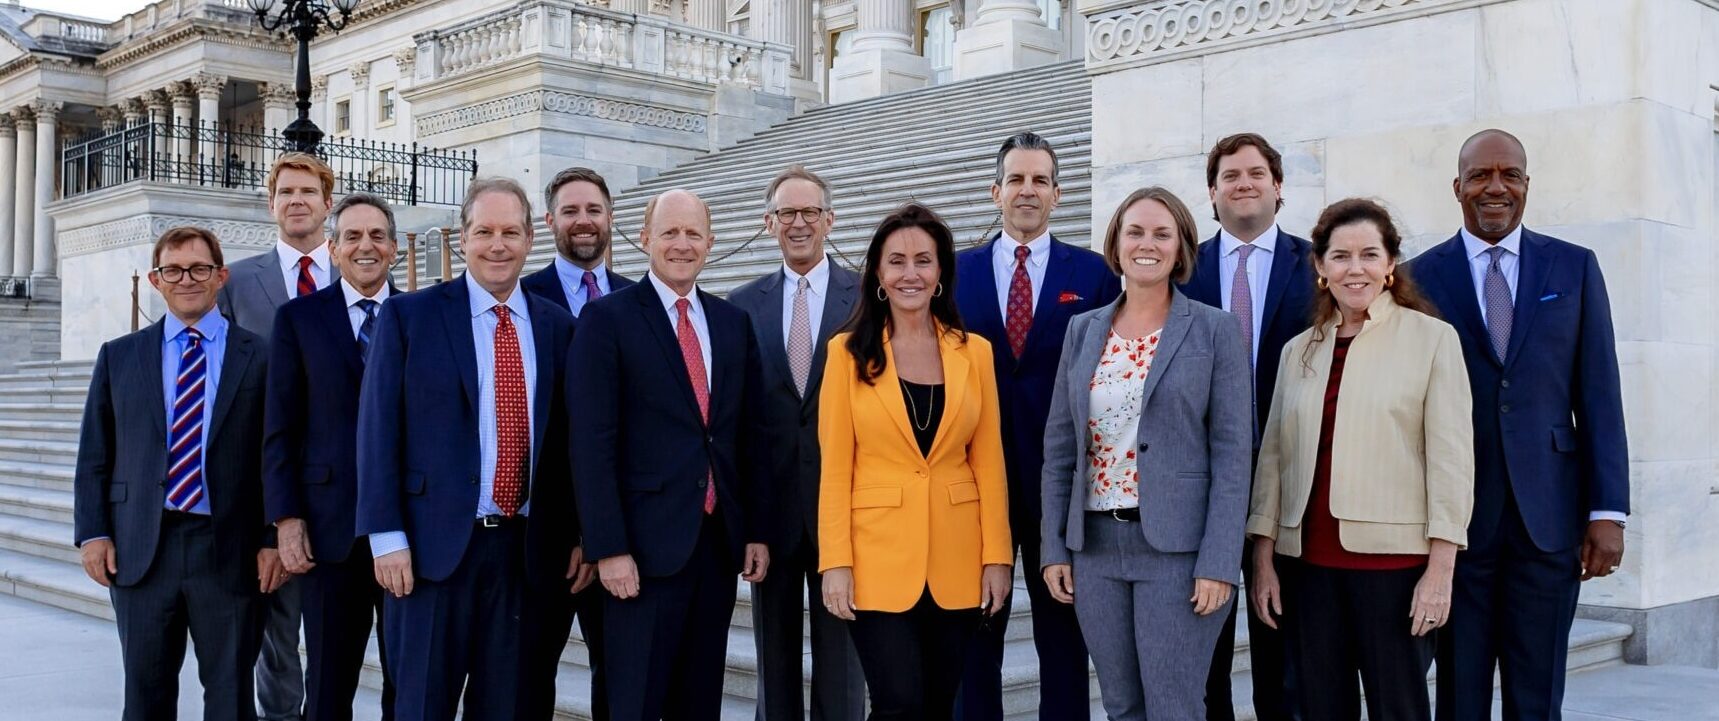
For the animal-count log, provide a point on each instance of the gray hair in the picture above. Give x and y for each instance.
(1027, 141)
(354, 200)
(494, 184)
(794, 172)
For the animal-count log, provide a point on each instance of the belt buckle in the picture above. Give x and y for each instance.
(1116, 513)
(490, 521)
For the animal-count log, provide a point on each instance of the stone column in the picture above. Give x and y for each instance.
(8, 160)
(406, 63)
(707, 14)
(24, 199)
(159, 109)
(209, 87)
(278, 100)
(1007, 35)
(319, 100)
(184, 99)
(882, 59)
(110, 118)
(360, 73)
(788, 22)
(47, 162)
(132, 111)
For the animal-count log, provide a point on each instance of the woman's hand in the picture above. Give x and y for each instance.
(1060, 578)
(1266, 597)
(1210, 595)
(1430, 608)
(994, 585)
(839, 592)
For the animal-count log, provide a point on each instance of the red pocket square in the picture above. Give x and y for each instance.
(1068, 297)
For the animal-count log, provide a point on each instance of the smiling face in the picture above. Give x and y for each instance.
(677, 237)
(299, 208)
(1148, 247)
(1492, 185)
(802, 243)
(908, 271)
(1245, 193)
(581, 221)
(495, 240)
(189, 299)
(1027, 194)
(363, 248)
(1355, 266)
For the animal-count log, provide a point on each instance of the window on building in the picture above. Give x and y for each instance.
(343, 116)
(937, 42)
(385, 105)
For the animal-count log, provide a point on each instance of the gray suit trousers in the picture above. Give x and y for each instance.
(838, 685)
(1150, 649)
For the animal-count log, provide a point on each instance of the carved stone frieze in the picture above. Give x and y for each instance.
(551, 101)
(143, 229)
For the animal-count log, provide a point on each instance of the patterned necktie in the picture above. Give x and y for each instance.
(1500, 308)
(185, 440)
(306, 283)
(366, 329)
(800, 339)
(592, 292)
(1241, 298)
(512, 423)
(1020, 315)
(694, 358)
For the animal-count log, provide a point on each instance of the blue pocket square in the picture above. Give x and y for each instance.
(1551, 296)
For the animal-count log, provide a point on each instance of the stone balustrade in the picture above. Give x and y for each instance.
(165, 12)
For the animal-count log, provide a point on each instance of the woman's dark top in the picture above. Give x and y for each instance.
(924, 412)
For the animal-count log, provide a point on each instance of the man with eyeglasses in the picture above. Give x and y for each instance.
(167, 512)
(795, 310)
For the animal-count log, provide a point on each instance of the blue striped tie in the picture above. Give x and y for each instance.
(367, 328)
(185, 440)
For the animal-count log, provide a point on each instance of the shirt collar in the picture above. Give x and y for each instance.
(482, 301)
(668, 297)
(576, 274)
(1266, 241)
(1038, 251)
(818, 277)
(353, 295)
(1512, 243)
(212, 325)
(289, 255)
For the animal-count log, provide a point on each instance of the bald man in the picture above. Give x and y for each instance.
(673, 491)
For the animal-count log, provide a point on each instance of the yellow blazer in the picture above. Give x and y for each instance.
(1402, 452)
(900, 519)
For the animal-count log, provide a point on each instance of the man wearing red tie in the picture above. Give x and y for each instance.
(672, 489)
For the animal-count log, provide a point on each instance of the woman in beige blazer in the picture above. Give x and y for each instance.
(1365, 478)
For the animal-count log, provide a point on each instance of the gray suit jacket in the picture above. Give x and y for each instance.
(789, 415)
(255, 289)
(1195, 438)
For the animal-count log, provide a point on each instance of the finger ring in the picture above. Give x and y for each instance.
(1614, 568)
(1430, 619)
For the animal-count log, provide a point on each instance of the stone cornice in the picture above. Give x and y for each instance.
(26, 63)
(557, 102)
(187, 31)
(142, 229)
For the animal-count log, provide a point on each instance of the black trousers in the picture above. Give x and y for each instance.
(182, 594)
(548, 619)
(778, 605)
(1064, 685)
(340, 600)
(1348, 630)
(1274, 678)
(913, 659)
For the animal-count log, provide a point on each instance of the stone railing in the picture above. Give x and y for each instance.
(165, 12)
(588, 34)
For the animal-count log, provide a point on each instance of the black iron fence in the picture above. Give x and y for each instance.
(240, 158)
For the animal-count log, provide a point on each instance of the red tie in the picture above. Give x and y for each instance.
(306, 283)
(689, 352)
(512, 423)
(1020, 316)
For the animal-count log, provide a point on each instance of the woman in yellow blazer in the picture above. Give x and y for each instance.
(1365, 478)
(913, 517)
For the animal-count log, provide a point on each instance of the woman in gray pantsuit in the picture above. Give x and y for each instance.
(1146, 470)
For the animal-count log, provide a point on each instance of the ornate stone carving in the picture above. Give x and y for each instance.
(6, 130)
(110, 116)
(182, 91)
(551, 101)
(406, 59)
(209, 85)
(47, 111)
(278, 95)
(23, 115)
(1149, 31)
(140, 229)
(319, 87)
(360, 72)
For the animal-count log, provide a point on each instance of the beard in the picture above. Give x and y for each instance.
(578, 252)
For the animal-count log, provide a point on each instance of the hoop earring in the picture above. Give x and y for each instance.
(880, 295)
(1390, 280)
(1320, 281)
(938, 291)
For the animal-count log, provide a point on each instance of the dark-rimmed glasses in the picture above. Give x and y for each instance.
(786, 216)
(174, 273)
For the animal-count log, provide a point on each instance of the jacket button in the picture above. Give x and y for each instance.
(1504, 408)
(474, 479)
(702, 482)
(1144, 446)
(1504, 383)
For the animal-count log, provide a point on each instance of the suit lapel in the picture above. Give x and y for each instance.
(1532, 270)
(1284, 261)
(770, 335)
(338, 325)
(151, 368)
(656, 319)
(1169, 341)
(722, 342)
(1452, 267)
(272, 283)
(955, 369)
(457, 314)
(1205, 286)
(1046, 312)
(233, 366)
(887, 386)
(990, 320)
(1092, 345)
(544, 348)
(838, 304)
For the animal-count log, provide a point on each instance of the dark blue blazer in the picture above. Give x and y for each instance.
(547, 283)
(120, 487)
(1548, 421)
(642, 453)
(1288, 307)
(418, 456)
(310, 429)
(1076, 280)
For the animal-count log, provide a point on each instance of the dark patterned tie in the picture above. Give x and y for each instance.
(366, 329)
(592, 292)
(512, 422)
(1241, 298)
(1500, 308)
(306, 283)
(1020, 316)
(185, 439)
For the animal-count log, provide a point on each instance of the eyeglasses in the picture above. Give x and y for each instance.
(786, 216)
(174, 273)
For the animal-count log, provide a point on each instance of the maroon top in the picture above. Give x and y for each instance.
(1320, 541)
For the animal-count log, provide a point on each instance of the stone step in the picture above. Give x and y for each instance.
(66, 378)
(39, 430)
(51, 476)
(85, 365)
(65, 452)
(35, 411)
(1015, 84)
(40, 504)
(48, 540)
(46, 394)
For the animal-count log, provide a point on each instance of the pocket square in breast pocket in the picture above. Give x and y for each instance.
(1549, 297)
(1069, 297)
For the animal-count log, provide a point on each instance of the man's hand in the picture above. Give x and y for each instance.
(99, 560)
(1059, 578)
(757, 562)
(270, 573)
(620, 575)
(1602, 549)
(293, 540)
(580, 572)
(394, 572)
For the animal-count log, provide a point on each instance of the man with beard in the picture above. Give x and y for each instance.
(579, 212)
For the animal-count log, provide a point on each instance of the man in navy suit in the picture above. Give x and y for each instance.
(1551, 487)
(672, 489)
(580, 214)
(167, 511)
(1019, 291)
(794, 311)
(1264, 277)
(463, 482)
(310, 456)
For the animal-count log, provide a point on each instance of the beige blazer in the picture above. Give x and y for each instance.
(1402, 466)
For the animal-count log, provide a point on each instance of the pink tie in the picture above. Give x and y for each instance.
(1241, 298)
(694, 357)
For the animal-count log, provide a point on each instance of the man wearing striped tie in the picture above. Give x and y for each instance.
(168, 513)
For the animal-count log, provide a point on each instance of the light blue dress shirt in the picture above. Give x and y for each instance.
(573, 282)
(1003, 267)
(173, 341)
(817, 286)
(1510, 263)
(1258, 275)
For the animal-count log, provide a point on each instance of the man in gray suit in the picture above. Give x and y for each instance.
(301, 192)
(167, 509)
(795, 311)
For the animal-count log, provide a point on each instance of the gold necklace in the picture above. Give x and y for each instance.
(913, 408)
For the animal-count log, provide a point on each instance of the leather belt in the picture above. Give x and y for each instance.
(1126, 515)
(496, 520)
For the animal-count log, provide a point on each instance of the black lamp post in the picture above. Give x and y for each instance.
(304, 19)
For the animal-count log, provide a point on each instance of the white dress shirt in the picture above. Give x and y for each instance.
(354, 314)
(320, 266)
(694, 314)
(573, 282)
(818, 283)
(1003, 267)
(1258, 275)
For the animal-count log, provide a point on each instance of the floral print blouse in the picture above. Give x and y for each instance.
(1119, 382)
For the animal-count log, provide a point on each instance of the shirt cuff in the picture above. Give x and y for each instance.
(93, 538)
(386, 542)
(1608, 516)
